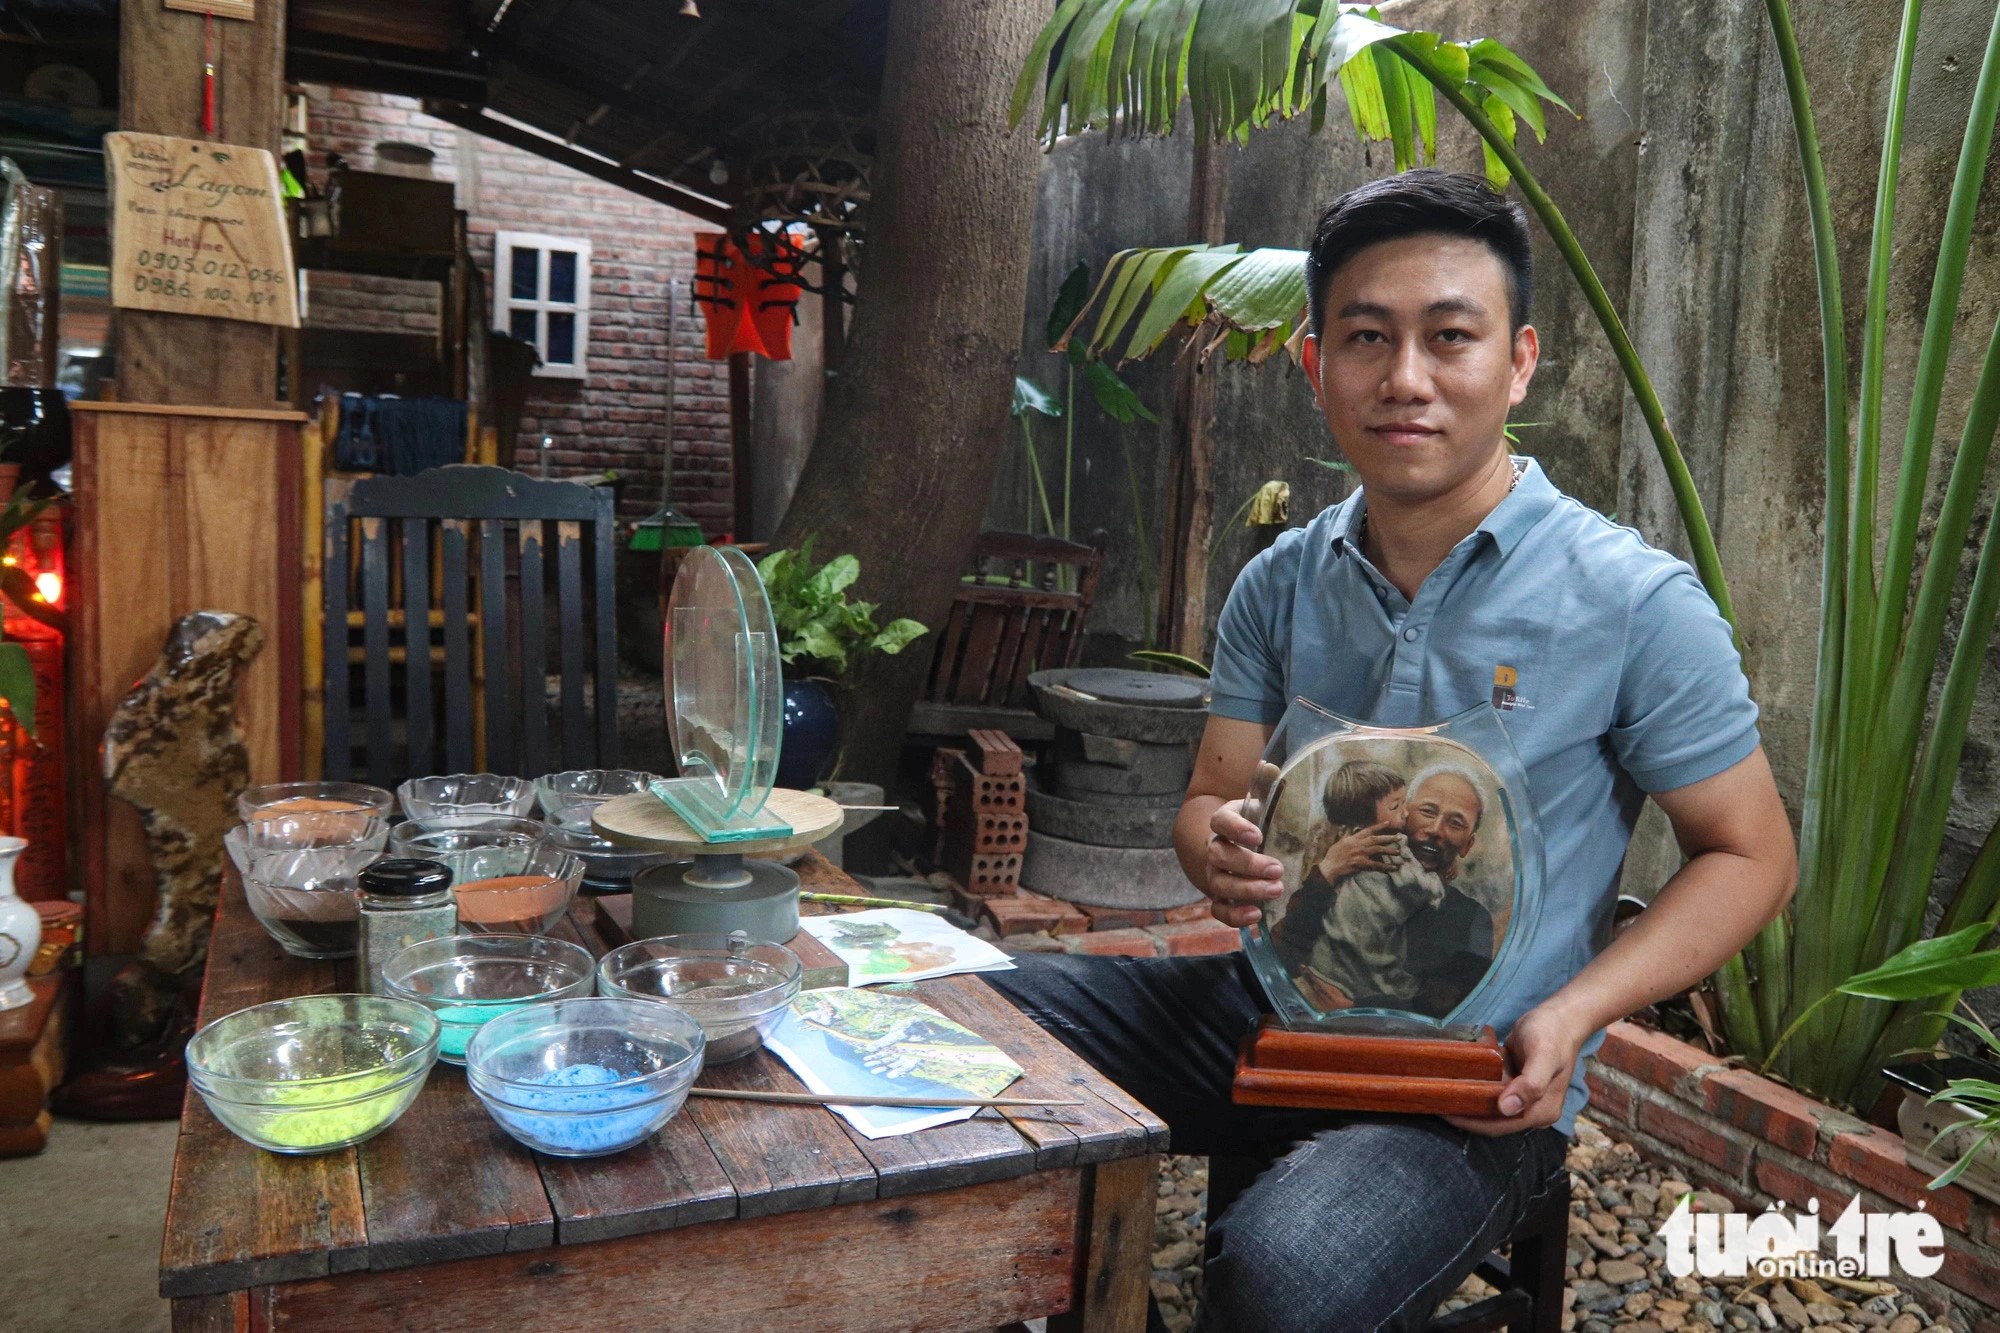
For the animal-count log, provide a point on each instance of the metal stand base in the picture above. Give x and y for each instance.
(716, 895)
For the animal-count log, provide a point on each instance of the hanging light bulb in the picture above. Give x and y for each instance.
(718, 172)
(689, 10)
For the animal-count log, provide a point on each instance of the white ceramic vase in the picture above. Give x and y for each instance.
(20, 930)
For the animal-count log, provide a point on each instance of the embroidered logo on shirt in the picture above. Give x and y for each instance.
(1505, 697)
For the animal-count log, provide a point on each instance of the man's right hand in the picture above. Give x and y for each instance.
(1239, 878)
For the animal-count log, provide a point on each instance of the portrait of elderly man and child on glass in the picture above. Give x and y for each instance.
(1408, 859)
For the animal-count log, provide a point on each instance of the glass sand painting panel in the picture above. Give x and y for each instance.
(1411, 871)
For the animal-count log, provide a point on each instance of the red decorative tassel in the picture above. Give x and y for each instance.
(208, 76)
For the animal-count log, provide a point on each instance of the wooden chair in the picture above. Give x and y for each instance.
(462, 551)
(1527, 1281)
(1010, 617)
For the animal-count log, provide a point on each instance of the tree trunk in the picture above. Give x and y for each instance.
(917, 415)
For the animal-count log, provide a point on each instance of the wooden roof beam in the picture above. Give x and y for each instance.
(590, 164)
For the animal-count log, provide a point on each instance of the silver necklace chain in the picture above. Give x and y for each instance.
(1516, 465)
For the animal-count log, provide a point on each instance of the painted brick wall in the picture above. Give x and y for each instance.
(615, 418)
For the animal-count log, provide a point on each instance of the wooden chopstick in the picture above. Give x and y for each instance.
(864, 1099)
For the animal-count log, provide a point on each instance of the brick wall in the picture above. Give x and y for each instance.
(1757, 1142)
(615, 418)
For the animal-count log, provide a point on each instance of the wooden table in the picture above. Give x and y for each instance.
(736, 1216)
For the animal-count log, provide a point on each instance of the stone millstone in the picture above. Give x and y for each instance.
(1065, 697)
(1122, 685)
(1103, 825)
(1138, 877)
(1084, 765)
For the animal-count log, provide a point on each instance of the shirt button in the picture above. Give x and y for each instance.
(1410, 634)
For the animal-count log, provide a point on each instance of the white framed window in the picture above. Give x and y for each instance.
(541, 295)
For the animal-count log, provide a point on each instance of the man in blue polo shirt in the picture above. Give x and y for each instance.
(1456, 574)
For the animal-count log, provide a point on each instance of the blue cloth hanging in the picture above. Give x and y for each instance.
(398, 436)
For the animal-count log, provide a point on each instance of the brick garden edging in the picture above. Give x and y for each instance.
(1757, 1141)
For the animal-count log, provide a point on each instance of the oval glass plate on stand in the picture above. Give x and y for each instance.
(725, 717)
(725, 696)
(1412, 881)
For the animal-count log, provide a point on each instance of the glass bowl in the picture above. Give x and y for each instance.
(468, 979)
(528, 897)
(466, 794)
(336, 803)
(735, 987)
(301, 876)
(314, 1073)
(470, 846)
(585, 788)
(585, 1077)
(607, 867)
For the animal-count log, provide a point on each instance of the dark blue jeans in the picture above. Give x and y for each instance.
(1361, 1222)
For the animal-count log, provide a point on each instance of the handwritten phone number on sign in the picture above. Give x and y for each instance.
(153, 282)
(226, 270)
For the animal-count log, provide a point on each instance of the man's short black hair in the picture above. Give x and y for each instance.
(1424, 202)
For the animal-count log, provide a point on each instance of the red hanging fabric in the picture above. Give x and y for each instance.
(747, 309)
(776, 297)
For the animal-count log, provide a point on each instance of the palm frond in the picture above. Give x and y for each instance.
(1127, 66)
(1223, 289)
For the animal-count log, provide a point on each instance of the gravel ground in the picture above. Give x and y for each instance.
(1617, 1276)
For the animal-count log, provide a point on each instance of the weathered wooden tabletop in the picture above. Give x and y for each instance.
(782, 1215)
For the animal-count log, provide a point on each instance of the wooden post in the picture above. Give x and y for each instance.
(161, 492)
(185, 359)
(740, 443)
(1190, 522)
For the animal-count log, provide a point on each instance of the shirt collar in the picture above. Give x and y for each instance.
(1519, 510)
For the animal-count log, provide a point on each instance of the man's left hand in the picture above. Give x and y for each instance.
(1542, 1048)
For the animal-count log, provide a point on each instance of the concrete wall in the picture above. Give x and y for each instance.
(1725, 312)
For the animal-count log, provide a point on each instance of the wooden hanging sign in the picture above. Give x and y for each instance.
(199, 229)
(222, 9)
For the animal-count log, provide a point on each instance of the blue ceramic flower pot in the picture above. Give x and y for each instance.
(812, 734)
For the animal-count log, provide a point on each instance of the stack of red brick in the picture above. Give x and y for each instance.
(981, 797)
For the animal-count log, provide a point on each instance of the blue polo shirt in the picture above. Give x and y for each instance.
(1614, 674)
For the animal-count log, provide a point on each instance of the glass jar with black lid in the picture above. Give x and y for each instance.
(402, 902)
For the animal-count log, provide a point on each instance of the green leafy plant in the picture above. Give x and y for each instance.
(1882, 763)
(17, 673)
(1176, 661)
(1114, 397)
(820, 632)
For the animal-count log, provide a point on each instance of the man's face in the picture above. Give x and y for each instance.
(1441, 819)
(1416, 367)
